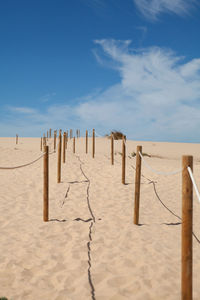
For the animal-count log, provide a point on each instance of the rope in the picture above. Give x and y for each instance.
(158, 172)
(194, 183)
(21, 166)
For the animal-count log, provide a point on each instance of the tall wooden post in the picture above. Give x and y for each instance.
(59, 159)
(46, 185)
(137, 185)
(112, 149)
(41, 144)
(50, 132)
(187, 212)
(123, 160)
(74, 150)
(86, 142)
(16, 139)
(55, 133)
(93, 143)
(64, 146)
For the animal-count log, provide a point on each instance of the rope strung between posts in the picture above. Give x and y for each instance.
(194, 183)
(158, 172)
(25, 165)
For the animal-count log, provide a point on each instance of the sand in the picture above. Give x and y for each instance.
(90, 248)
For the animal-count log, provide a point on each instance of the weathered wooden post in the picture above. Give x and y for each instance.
(44, 141)
(86, 141)
(137, 185)
(46, 185)
(16, 139)
(64, 146)
(74, 144)
(112, 148)
(50, 132)
(59, 158)
(55, 133)
(93, 143)
(123, 160)
(41, 144)
(187, 215)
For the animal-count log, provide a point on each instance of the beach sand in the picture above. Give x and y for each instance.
(90, 248)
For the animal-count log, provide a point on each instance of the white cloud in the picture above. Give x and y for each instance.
(157, 98)
(152, 8)
(22, 110)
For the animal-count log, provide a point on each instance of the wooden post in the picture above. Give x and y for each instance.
(64, 146)
(50, 132)
(54, 140)
(77, 133)
(86, 141)
(137, 185)
(16, 139)
(123, 160)
(44, 141)
(47, 135)
(112, 149)
(59, 159)
(93, 143)
(46, 185)
(41, 144)
(187, 211)
(74, 144)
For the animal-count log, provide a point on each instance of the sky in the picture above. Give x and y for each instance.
(127, 65)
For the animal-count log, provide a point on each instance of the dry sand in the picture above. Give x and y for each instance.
(49, 261)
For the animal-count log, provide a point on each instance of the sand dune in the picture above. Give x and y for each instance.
(90, 248)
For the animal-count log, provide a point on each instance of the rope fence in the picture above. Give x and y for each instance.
(188, 182)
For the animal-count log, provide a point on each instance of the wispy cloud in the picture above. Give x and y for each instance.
(157, 98)
(21, 110)
(151, 9)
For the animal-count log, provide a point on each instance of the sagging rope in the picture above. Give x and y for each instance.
(158, 172)
(25, 165)
(173, 173)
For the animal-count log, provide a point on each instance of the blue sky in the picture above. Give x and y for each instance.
(129, 65)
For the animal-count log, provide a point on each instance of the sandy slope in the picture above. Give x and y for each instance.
(49, 261)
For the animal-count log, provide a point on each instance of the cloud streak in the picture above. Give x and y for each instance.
(151, 9)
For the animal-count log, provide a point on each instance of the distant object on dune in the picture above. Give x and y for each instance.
(117, 135)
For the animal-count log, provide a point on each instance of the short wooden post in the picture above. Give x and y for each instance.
(123, 160)
(187, 212)
(64, 146)
(112, 149)
(77, 133)
(74, 150)
(59, 159)
(16, 139)
(44, 141)
(93, 143)
(50, 132)
(46, 185)
(41, 144)
(137, 185)
(86, 142)
(54, 140)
